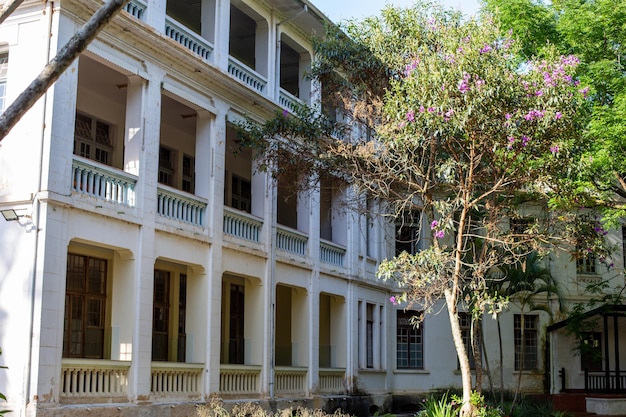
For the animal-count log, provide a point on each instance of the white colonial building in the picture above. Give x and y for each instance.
(151, 265)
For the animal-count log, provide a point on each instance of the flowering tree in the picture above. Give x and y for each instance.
(593, 30)
(480, 143)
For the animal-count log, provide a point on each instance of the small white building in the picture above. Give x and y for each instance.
(151, 265)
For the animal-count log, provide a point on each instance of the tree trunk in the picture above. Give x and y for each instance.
(476, 330)
(466, 373)
(521, 362)
(487, 366)
(501, 362)
(53, 70)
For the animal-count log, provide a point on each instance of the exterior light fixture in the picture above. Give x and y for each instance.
(9, 215)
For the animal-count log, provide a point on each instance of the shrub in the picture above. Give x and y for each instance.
(215, 408)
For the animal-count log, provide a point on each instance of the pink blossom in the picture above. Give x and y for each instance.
(421, 109)
(434, 224)
(439, 234)
(485, 49)
(525, 140)
(584, 91)
(554, 149)
(410, 116)
(285, 112)
(558, 115)
(393, 300)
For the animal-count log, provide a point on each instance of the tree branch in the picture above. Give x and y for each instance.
(8, 8)
(53, 70)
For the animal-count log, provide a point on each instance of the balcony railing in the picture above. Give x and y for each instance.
(185, 208)
(605, 382)
(331, 253)
(242, 225)
(291, 241)
(331, 380)
(288, 101)
(136, 8)
(187, 38)
(239, 379)
(103, 182)
(175, 378)
(289, 380)
(90, 378)
(247, 76)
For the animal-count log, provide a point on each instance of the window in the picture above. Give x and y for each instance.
(409, 342)
(241, 194)
(408, 233)
(93, 139)
(169, 313)
(585, 262)
(182, 318)
(85, 307)
(236, 339)
(369, 336)
(520, 226)
(591, 351)
(4, 66)
(465, 322)
(526, 341)
(166, 166)
(189, 174)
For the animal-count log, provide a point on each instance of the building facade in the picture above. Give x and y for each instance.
(151, 264)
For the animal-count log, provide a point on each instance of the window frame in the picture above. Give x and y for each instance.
(405, 329)
(529, 339)
(4, 65)
(174, 305)
(87, 297)
(591, 359)
(465, 324)
(408, 233)
(95, 146)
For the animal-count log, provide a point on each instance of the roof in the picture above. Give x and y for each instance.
(604, 310)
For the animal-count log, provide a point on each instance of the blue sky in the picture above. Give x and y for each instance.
(345, 9)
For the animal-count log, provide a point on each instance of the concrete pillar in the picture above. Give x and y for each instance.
(134, 135)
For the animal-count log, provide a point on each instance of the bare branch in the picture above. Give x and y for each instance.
(8, 8)
(53, 70)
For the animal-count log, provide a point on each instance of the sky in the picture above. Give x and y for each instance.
(346, 9)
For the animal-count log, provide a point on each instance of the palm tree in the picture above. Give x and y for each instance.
(529, 285)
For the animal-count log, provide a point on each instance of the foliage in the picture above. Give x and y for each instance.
(215, 408)
(594, 31)
(447, 405)
(443, 119)
(438, 407)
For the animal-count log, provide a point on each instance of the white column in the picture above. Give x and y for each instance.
(140, 371)
(133, 137)
(262, 48)
(155, 13)
(222, 34)
(304, 81)
(204, 156)
(215, 269)
(207, 18)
